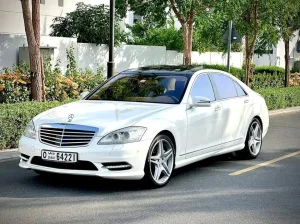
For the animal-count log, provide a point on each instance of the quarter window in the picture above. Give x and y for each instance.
(239, 90)
(203, 88)
(225, 86)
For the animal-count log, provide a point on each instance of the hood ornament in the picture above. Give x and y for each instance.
(70, 117)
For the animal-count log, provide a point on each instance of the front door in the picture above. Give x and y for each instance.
(204, 123)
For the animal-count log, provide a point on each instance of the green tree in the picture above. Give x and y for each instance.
(288, 20)
(159, 10)
(147, 34)
(210, 28)
(89, 24)
(251, 18)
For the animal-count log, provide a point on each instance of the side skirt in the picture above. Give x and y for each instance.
(191, 160)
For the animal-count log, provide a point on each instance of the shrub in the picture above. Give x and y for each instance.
(262, 81)
(268, 70)
(15, 83)
(296, 67)
(295, 79)
(252, 66)
(277, 98)
(15, 117)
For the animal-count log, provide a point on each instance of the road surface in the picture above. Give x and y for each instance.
(205, 192)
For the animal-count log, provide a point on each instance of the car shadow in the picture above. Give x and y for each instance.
(89, 185)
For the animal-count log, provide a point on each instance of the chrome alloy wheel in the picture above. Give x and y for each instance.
(255, 138)
(161, 161)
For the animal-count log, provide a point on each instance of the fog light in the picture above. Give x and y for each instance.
(117, 166)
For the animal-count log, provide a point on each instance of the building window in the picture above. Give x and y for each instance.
(61, 3)
(42, 1)
(298, 47)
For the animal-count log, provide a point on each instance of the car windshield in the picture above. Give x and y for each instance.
(150, 88)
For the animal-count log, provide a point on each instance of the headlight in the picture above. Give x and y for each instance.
(30, 131)
(123, 136)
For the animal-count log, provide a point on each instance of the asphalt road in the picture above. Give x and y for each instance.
(200, 193)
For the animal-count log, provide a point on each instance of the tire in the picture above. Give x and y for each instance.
(160, 162)
(253, 141)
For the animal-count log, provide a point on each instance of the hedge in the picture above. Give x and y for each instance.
(278, 98)
(268, 70)
(15, 117)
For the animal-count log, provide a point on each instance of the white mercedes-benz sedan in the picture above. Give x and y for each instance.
(146, 122)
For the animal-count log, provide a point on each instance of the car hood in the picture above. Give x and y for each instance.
(105, 115)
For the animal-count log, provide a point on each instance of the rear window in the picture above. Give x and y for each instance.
(225, 86)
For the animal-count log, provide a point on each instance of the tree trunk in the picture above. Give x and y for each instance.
(248, 61)
(43, 80)
(36, 20)
(32, 28)
(187, 40)
(287, 63)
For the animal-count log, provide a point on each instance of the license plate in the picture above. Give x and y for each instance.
(64, 157)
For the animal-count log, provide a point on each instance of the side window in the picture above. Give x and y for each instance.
(202, 87)
(224, 86)
(239, 90)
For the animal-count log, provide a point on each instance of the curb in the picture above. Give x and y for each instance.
(8, 150)
(8, 154)
(284, 111)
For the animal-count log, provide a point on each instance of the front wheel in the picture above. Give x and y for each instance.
(253, 141)
(160, 161)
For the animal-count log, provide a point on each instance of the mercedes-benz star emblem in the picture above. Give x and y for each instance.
(70, 118)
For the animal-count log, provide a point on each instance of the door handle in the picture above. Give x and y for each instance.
(246, 101)
(217, 108)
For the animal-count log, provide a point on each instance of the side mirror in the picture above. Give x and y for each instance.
(83, 95)
(200, 101)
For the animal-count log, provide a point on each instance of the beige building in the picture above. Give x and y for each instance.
(276, 57)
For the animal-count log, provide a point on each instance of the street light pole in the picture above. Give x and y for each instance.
(111, 63)
(229, 44)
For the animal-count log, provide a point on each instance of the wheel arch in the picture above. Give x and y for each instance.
(260, 121)
(170, 135)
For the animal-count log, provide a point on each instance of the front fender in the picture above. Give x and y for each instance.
(154, 127)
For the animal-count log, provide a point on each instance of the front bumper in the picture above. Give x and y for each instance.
(133, 153)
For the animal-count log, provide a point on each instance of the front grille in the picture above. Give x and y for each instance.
(80, 165)
(66, 135)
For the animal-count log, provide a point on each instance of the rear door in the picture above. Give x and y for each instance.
(243, 99)
(233, 109)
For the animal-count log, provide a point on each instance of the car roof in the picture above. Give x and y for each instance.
(185, 70)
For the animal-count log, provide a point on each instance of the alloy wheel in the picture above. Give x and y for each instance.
(161, 161)
(255, 138)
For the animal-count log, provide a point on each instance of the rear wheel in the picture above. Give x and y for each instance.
(253, 141)
(160, 161)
